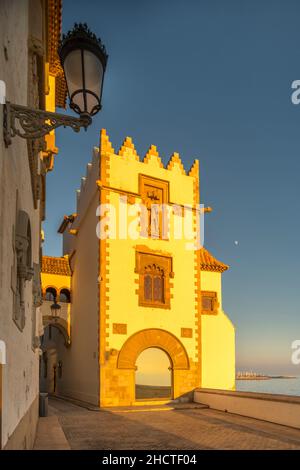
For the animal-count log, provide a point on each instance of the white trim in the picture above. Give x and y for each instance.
(2, 92)
(2, 352)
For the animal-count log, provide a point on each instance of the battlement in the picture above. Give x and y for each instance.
(128, 155)
(128, 152)
(88, 183)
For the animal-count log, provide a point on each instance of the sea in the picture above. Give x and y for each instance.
(278, 386)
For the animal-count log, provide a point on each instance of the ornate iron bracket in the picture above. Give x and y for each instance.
(34, 123)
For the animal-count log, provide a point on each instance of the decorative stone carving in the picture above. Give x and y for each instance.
(35, 100)
(120, 328)
(186, 333)
(22, 269)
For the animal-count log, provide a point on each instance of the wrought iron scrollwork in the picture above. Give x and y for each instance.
(31, 123)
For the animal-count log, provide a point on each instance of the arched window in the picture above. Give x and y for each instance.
(154, 284)
(50, 294)
(148, 287)
(158, 287)
(154, 271)
(64, 295)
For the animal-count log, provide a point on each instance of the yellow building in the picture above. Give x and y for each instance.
(139, 281)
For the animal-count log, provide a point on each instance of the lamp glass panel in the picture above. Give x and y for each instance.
(93, 78)
(73, 72)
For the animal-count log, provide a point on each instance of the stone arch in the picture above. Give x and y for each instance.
(61, 326)
(156, 338)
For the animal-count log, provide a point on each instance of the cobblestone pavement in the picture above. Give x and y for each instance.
(171, 429)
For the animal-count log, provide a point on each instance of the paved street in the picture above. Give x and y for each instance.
(171, 429)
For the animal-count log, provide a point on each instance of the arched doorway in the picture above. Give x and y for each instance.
(126, 361)
(52, 343)
(153, 376)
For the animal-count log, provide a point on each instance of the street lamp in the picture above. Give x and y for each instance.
(84, 59)
(55, 310)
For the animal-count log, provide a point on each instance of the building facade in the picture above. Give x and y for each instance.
(138, 281)
(30, 75)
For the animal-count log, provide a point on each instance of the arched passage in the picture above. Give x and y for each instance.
(53, 343)
(119, 369)
(126, 362)
(153, 375)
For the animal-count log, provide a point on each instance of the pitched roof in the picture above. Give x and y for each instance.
(56, 265)
(209, 263)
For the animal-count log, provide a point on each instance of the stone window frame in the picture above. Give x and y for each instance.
(156, 184)
(213, 296)
(165, 262)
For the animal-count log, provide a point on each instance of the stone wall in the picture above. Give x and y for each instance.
(23, 436)
(20, 374)
(118, 384)
(279, 409)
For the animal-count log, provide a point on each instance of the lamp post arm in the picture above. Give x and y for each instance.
(31, 123)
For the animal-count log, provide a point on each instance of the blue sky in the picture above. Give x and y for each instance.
(211, 80)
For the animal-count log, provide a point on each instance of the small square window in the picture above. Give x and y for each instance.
(209, 302)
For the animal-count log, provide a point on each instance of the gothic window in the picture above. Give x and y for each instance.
(64, 295)
(209, 302)
(154, 279)
(50, 294)
(147, 287)
(154, 195)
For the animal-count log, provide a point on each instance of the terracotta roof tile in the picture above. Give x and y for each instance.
(209, 263)
(56, 265)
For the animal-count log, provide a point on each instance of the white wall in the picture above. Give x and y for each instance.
(20, 374)
(81, 360)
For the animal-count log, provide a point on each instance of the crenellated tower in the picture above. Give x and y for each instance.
(135, 288)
